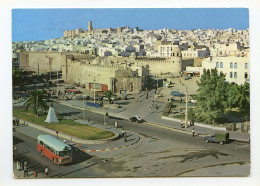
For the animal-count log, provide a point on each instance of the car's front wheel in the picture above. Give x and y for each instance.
(206, 141)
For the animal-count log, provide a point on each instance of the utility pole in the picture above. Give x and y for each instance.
(83, 107)
(57, 81)
(94, 90)
(186, 109)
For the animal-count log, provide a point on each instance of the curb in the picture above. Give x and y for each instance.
(162, 126)
(65, 136)
(109, 149)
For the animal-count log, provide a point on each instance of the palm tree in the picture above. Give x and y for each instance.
(242, 97)
(36, 99)
(108, 94)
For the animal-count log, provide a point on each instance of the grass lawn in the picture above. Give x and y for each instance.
(65, 126)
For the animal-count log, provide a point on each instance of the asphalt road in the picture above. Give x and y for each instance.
(159, 148)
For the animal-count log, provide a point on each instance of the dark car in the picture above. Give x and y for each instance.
(220, 138)
(176, 93)
(136, 119)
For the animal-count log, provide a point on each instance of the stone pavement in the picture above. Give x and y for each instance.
(141, 107)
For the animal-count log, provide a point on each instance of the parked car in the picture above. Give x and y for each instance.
(136, 119)
(114, 98)
(220, 138)
(176, 93)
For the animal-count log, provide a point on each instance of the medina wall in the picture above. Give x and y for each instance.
(42, 62)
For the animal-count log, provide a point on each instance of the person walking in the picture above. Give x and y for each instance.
(18, 165)
(116, 124)
(193, 132)
(25, 171)
(46, 170)
(123, 133)
(15, 151)
(21, 164)
(157, 108)
(125, 137)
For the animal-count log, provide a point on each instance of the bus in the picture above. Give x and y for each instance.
(60, 153)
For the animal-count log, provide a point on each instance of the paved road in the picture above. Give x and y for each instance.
(160, 152)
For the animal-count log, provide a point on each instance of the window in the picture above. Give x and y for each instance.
(177, 54)
(231, 74)
(246, 65)
(235, 66)
(235, 75)
(231, 65)
(217, 65)
(221, 65)
(246, 75)
(173, 54)
(171, 48)
(167, 49)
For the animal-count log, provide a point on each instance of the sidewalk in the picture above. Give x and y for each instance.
(133, 108)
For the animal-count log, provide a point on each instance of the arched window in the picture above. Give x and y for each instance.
(235, 75)
(246, 65)
(231, 65)
(235, 66)
(246, 75)
(231, 75)
(221, 64)
(217, 65)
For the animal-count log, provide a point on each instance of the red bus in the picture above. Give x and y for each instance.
(57, 151)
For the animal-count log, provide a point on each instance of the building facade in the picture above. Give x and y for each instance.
(236, 69)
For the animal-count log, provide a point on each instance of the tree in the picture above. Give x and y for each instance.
(239, 96)
(191, 114)
(242, 97)
(212, 95)
(36, 99)
(18, 77)
(109, 94)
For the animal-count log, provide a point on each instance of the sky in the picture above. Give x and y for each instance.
(44, 24)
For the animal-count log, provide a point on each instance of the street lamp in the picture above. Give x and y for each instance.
(94, 88)
(83, 106)
(186, 106)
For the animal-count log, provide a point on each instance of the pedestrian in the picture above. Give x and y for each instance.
(18, 121)
(18, 167)
(25, 172)
(123, 133)
(46, 170)
(15, 150)
(25, 164)
(157, 108)
(116, 124)
(150, 110)
(125, 137)
(21, 164)
(193, 132)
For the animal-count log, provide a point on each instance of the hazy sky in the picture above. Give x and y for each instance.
(43, 24)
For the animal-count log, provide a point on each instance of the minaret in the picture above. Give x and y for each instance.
(90, 27)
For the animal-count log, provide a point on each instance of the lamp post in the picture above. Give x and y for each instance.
(94, 90)
(83, 106)
(186, 106)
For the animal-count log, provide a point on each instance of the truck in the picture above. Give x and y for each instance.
(220, 138)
